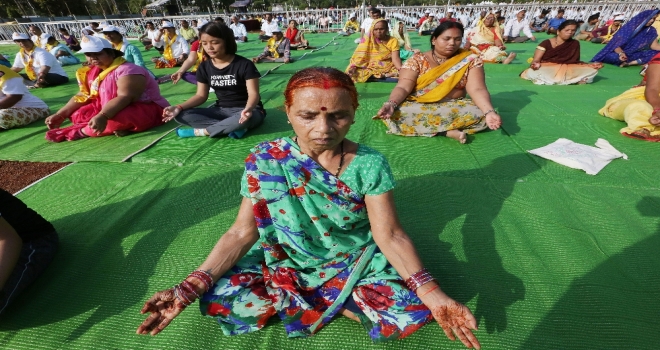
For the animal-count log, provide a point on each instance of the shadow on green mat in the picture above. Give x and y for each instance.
(103, 279)
(512, 103)
(475, 269)
(621, 292)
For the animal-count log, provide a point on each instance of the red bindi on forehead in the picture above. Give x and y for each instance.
(324, 109)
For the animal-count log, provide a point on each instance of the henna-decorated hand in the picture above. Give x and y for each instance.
(164, 307)
(456, 320)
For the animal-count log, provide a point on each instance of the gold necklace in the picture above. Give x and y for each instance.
(438, 61)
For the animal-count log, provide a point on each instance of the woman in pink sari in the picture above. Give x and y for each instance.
(116, 97)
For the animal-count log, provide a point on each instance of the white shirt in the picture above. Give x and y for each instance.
(153, 35)
(513, 28)
(268, 28)
(366, 24)
(15, 86)
(41, 59)
(179, 46)
(238, 29)
(43, 40)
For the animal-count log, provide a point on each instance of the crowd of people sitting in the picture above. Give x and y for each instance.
(119, 95)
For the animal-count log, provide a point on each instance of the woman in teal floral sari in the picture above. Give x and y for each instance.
(316, 236)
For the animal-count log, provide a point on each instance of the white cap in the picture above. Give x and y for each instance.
(431, 14)
(451, 10)
(427, 11)
(87, 30)
(619, 18)
(20, 36)
(111, 29)
(167, 24)
(90, 43)
(201, 23)
(352, 15)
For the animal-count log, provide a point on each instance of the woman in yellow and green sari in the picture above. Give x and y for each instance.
(486, 40)
(376, 58)
(429, 99)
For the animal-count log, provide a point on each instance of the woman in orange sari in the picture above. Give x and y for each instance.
(377, 57)
(429, 99)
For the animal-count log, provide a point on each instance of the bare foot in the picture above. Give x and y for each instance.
(349, 314)
(509, 58)
(457, 135)
(121, 133)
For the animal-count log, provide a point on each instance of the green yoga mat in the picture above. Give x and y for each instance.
(547, 257)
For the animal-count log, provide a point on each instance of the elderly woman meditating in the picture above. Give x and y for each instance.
(639, 107)
(634, 44)
(486, 40)
(377, 57)
(429, 99)
(557, 60)
(116, 97)
(316, 236)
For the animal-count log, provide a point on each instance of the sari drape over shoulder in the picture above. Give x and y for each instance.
(315, 252)
(634, 39)
(482, 42)
(426, 112)
(560, 65)
(373, 58)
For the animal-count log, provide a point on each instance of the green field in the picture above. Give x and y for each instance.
(547, 257)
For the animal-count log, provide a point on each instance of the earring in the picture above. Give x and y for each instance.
(288, 121)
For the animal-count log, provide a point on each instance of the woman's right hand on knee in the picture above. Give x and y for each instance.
(176, 77)
(170, 112)
(54, 121)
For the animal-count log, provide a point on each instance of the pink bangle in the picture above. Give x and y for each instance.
(419, 279)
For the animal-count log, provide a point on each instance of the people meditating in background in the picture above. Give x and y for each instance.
(278, 49)
(430, 99)
(268, 27)
(377, 58)
(639, 107)
(351, 26)
(514, 26)
(175, 48)
(316, 236)
(554, 23)
(38, 37)
(17, 106)
(131, 53)
(296, 37)
(539, 23)
(486, 40)
(70, 39)
(41, 68)
(235, 80)
(240, 33)
(62, 53)
(187, 32)
(428, 26)
(193, 61)
(604, 34)
(585, 31)
(28, 244)
(634, 44)
(152, 38)
(116, 97)
(401, 35)
(557, 60)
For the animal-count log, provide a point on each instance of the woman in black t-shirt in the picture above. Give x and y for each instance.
(28, 244)
(235, 80)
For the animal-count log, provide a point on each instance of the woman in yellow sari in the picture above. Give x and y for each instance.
(377, 57)
(639, 107)
(430, 99)
(486, 41)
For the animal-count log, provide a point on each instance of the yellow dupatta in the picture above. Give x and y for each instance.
(38, 41)
(91, 91)
(200, 59)
(167, 52)
(609, 34)
(7, 74)
(435, 84)
(484, 35)
(371, 58)
(29, 69)
(273, 45)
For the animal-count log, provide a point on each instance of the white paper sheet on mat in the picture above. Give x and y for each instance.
(579, 156)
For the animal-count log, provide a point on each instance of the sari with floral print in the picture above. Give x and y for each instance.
(427, 111)
(315, 254)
